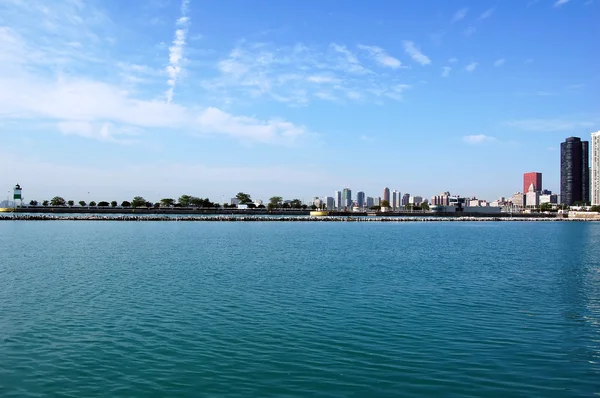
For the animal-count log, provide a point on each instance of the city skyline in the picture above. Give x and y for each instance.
(160, 98)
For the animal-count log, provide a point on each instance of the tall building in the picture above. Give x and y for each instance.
(534, 178)
(532, 197)
(405, 199)
(574, 171)
(595, 173)
(370, 202)
(347, 197)
(395, 200)
(330, 202)
(360, 199)
(386, 194)
(337, 195)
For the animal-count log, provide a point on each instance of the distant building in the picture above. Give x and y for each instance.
(595, 169)
(360, 199)
(377, 201)
(551, 198)
(337, 195)
(330, 202)
(346, 197)
(405, 199)
(370, 202)
(518, 199)
(396, 200)
(532, 197)
(415, 200)
(386, 194)
(442, 199)
(534, 178)
(234, 201)
(574, 171)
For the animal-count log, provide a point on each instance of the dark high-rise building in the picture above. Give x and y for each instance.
(532, 178)
(574, 171)
(360, 199)
(386, 194)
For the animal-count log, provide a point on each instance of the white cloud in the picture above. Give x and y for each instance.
(499, 62)
(350, 61)
(174, 68)
(470, 31)
(452, 60)
(460, 14)
(560, 3)
(381, 56)
(98, 131)
(446, 71)
(478, 139)
(471, 67)
(415, 53)
(552, 125)
(486, 14)
(322, 79)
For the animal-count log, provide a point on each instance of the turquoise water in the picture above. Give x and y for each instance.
(299, 309)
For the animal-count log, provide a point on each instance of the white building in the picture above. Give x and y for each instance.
(415, 200)
(595, 172)
(551, 198)
(396, 200)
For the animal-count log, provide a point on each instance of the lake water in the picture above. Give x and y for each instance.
(299, 309)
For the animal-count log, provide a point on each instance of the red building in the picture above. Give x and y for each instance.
(386, 194)
(532, 178)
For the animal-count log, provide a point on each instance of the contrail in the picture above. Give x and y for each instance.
(176, 50)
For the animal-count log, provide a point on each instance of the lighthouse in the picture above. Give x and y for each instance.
(17, 195)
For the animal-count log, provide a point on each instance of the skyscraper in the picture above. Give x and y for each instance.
(395, 200)
(534, 178)
(347, 197)
(574, 171)
(337, 196)
(386, 194)
(360, 199)
(595, 176)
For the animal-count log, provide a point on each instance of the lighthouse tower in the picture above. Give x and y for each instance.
(17, 195)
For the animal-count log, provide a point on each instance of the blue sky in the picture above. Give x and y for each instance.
(298, 99)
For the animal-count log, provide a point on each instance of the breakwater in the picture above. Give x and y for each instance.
(239, 218)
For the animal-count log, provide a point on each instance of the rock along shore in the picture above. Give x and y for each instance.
(232, 218)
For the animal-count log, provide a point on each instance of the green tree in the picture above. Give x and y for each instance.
(595, 208)
(33, 203)
(385, 203)
(82, 203)
(251, 206)
(261, 206)
(243, 198)
(58, 201)
(113, 203)
(148, 204)
(286, 206)
(167, 202)
(71, 203)
(296, 203)
(275, 202)
(156, 205)
(92, 204)
(138, 201)
(185, 200)
(545, 207)
(45, 203)
(125, 203)
(103, 203)
(313, 206)
(425, 206)
(375, 208)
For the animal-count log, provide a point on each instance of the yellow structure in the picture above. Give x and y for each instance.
(5, 210)
(319, 213)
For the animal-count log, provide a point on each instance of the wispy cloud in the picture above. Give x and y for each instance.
(486, 14)
(350, 62)
(560, 3)
(551, 125)
(460, 14)
(478, 139)
(107, 132)
(499, 62)
(411, 49)
(470, 31)
(453, 60)
(176, 50)
(446, 71)
(381, 56)
(471, 67)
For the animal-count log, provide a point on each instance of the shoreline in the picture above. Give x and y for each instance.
(257, 218)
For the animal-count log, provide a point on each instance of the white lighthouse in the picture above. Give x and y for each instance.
(17, 195)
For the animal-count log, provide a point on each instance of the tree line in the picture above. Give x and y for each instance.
(275, 202)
